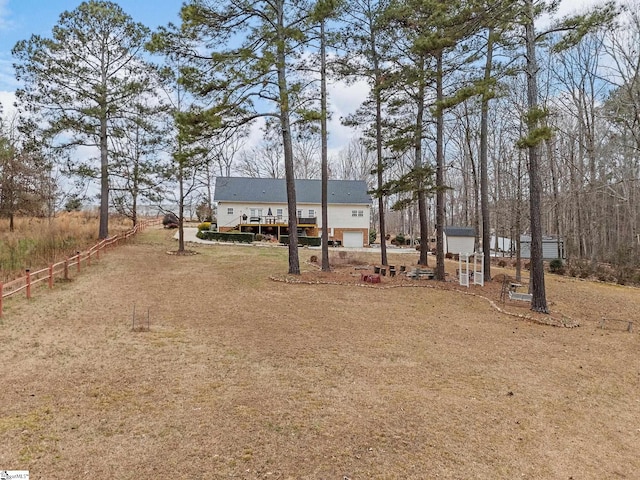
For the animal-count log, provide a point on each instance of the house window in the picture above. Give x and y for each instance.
(279, 212)
(357, 213)
(312, 213)
(229, 210)
(299, 213)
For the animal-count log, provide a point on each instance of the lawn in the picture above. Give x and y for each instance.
(241, 376)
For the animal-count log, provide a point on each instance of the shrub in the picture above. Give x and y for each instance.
(448, 255)
(259, 237)
(580, 269)
(310, 241)
(170, 220)
(556, 266)
(400, 240)
(225, 236)
(372, 236)
(204, 226)
(502, 263)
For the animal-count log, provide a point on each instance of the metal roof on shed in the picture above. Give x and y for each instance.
(274, 190)
(459, 231)
(545, 239)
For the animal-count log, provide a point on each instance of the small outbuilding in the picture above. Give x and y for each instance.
(459, 240)
(552, 247)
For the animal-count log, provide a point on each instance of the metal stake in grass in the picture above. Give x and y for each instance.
(141, 328)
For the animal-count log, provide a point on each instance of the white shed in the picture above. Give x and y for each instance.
(552, 247)
(459, 240)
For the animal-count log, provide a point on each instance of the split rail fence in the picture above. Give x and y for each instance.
(68, 266)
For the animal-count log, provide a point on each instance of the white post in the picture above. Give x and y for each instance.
(463, 273)
(478, 273)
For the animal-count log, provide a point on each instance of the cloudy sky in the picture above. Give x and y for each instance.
(19, 19)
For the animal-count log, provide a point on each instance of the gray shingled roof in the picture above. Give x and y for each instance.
(274, 190)
(459, 231)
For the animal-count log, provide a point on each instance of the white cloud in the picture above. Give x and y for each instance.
(256, 133)
(7, 99)
(7, 75)
(344, 100)
(571, 7)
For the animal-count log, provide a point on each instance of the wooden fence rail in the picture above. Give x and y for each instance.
(64, 268)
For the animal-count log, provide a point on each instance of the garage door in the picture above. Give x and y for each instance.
(352, 239)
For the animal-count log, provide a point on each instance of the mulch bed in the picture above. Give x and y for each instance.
(490, 292)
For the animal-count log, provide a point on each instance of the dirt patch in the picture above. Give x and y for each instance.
(239, 376)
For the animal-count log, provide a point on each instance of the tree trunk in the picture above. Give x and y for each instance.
(556, 196)
(379, 157)
(287, 144)
(484, 175)
(418, 164)
(104, 180)
(135, 186)
(440, 207)
(518, 220)
(539, 300)
(324, 149)
(181, 206)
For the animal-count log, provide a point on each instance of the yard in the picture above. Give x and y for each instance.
(243, 376)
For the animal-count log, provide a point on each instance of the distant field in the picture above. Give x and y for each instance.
(240, 376)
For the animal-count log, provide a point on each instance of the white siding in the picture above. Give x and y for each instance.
(340, 216)
(239, 209)
(459, 245)
(549, 250)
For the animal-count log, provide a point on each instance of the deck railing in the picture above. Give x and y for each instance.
(275, 219)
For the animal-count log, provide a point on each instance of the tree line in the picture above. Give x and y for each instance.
(496, 114)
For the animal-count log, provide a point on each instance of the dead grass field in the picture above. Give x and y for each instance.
(241, 376)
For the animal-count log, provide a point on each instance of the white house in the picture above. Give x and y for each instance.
(259, 205)
(459, 240)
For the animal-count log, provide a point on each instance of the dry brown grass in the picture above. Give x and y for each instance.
(36, 242)
(244, 377)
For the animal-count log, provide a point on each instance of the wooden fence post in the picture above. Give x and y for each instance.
(78, 255)
(66, 268)
(51, 275)
(0, 299)
(28, 283)
(89, 258)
